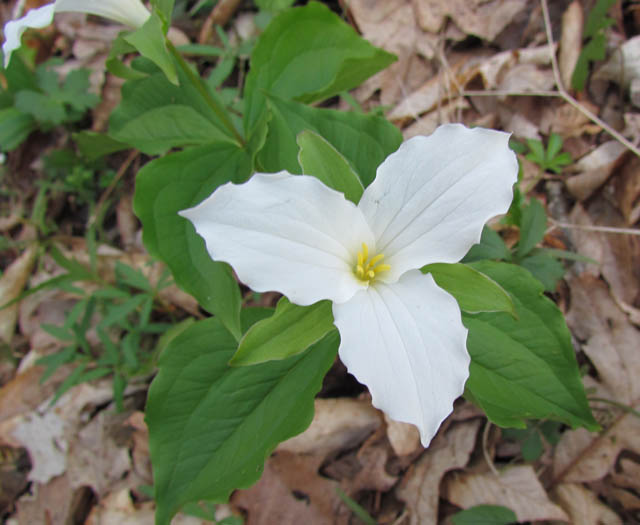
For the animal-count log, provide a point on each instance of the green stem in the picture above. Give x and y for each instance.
(202, 89)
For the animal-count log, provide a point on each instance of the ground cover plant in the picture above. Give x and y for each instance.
(300, 213)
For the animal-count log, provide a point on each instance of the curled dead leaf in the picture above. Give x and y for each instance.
(517, 488)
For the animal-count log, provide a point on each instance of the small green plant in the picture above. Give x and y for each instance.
(121, 315)
(531, 438)
(67, 172)
(595, 42)
(551, 158)
(38, 99)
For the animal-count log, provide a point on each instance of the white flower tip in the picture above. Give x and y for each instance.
(13, 30)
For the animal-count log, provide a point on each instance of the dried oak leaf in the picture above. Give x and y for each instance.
(583, 506)
(516, 487)
(419, 488)
(291, 492)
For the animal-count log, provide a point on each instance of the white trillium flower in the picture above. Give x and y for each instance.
(131, 13)
(401, 335)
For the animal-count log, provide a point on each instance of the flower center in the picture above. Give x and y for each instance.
(366, 268)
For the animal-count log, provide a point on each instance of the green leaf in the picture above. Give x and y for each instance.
(525, 368)
(153, 116)
(532, 226)
(308, 54)
(165, 9)
(364, 140)
(485, 515)
(289, 331)
(547, 269)
(320, 159)
(212, 426)
(274, 5)
(93, 145)
(474, 291)
(598, 19)
(168, 185)
(160, 129)
(491, 246)
(43, 108)
(15, 127)
(150, 42)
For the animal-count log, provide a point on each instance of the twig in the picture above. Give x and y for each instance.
(603, 229)
(567, 97)
(506, 93)
(485, 450)
(218, 16)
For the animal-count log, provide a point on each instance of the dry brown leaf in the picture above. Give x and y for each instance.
(583, 506)
(393, 27)
(595, 168)
(140, 454)
(118, 508)
(568, 121)
(623, 65)
(570, 41)
(437, 90)
(482, 18)
(338, 424)
(12, 283)
(291, 492)
(583, 456)
(50, 504)
(24, 392)
(419, 488)
(427, 124)
(618, 255)
(372, 473)
(403, 437)
(516, 487)
(94, 459)
(46, 431)
(526, 77)
(627, 190)
(610, 341)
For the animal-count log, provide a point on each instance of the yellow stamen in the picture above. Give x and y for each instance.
(368, 269)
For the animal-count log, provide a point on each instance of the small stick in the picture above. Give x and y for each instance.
(568, 98)
(219, 15)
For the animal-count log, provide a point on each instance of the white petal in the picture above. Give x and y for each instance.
(287, 233)
(35, 18)
(407, 343)
(431, 198)
(131, 13)
(127, 12)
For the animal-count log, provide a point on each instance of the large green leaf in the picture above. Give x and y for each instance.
(524, 368)
(308, 54)
(364, 140)
(290, 330)
(474, 291)
(319, 158)
(155, 116)
(176, 182)
(212, 426)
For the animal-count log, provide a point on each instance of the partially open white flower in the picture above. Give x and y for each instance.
(128, 12)
(401, 335)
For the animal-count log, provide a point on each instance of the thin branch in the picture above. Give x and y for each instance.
(485, 448)
(603, 229)
(567, 97)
